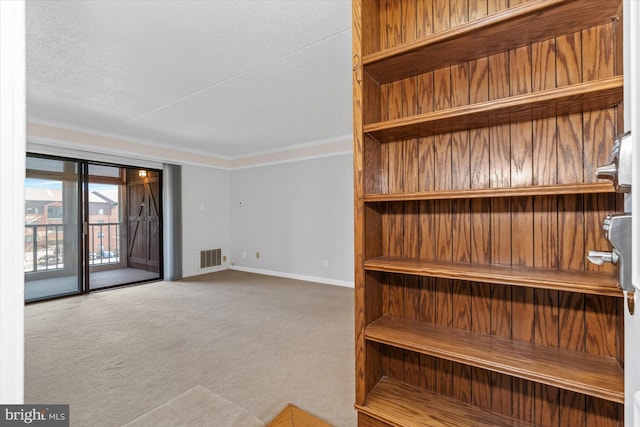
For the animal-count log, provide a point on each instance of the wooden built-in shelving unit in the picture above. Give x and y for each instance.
(491, 34)
(478, 126)
(592, 375)
(400, 404)
(566, 100)
(587, 282)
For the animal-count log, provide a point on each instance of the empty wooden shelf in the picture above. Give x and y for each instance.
(497, 32)
(587, 96)
(478, 128)
(561, 280)
(596, 376)
(402, 405)
(540, 190)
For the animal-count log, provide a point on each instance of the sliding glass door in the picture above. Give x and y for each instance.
(89, 226)
(52, 235)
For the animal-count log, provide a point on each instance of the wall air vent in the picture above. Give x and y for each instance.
(210, 258)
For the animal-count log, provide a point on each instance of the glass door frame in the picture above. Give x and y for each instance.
(84, 225)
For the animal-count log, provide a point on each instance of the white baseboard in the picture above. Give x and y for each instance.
(315, 279)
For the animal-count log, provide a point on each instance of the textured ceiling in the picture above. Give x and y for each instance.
(226, 78)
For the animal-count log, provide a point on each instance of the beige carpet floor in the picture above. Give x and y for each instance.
(197, 407)
(260, 342)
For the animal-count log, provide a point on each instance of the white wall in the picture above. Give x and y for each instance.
(632, 122)
(297, 215)
(205, 215)
(12, 170)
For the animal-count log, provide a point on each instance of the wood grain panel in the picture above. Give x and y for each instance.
(394, 22)
(444, 229)
(481, 323)
(572, 409)
(480, 230)
(442, 100)
(395, 148)
(569, 135)
(444, 317)
(500, 236)
(495, 6)
(412, 296)
(500, 143)
(428, 307)
(602, 413)
(382, 25)
(425, 93)
(375, 282)
(372, 92)
(461, 230)
(524, 315)
(480, 214)
(409, 24)
(395, 228)
(571, 324)
(424, 18)
(462, 374)
(367, 421)
(501, 393)
(546, 317)
(410, 166)
(477, 9)
(545, 231)
(411, 229)
(522, 226)
(371, 168)
(571, 236)
(569, 139)
(598, 52)
(460, 150)
(523, 400)
(375, 365)
(545, 158)
(442, 164)
(479, 138)
(426, 145)
(568, 59)
(600, 324)
(599, 134)
(366, 27)
(441, 16)
(546, 410)
(501, 311)
(459, 12)
(427, 230)
(521, 132)
(426, 164)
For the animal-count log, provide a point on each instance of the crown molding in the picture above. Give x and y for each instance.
(324, 148)
(52, 139)
(81, 140)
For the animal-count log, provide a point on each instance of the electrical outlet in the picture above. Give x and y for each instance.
(224, 258)
(244, 254)
(257, 254)
(325, 263)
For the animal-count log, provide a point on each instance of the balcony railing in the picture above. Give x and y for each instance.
(104, 243)
(44, 246)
